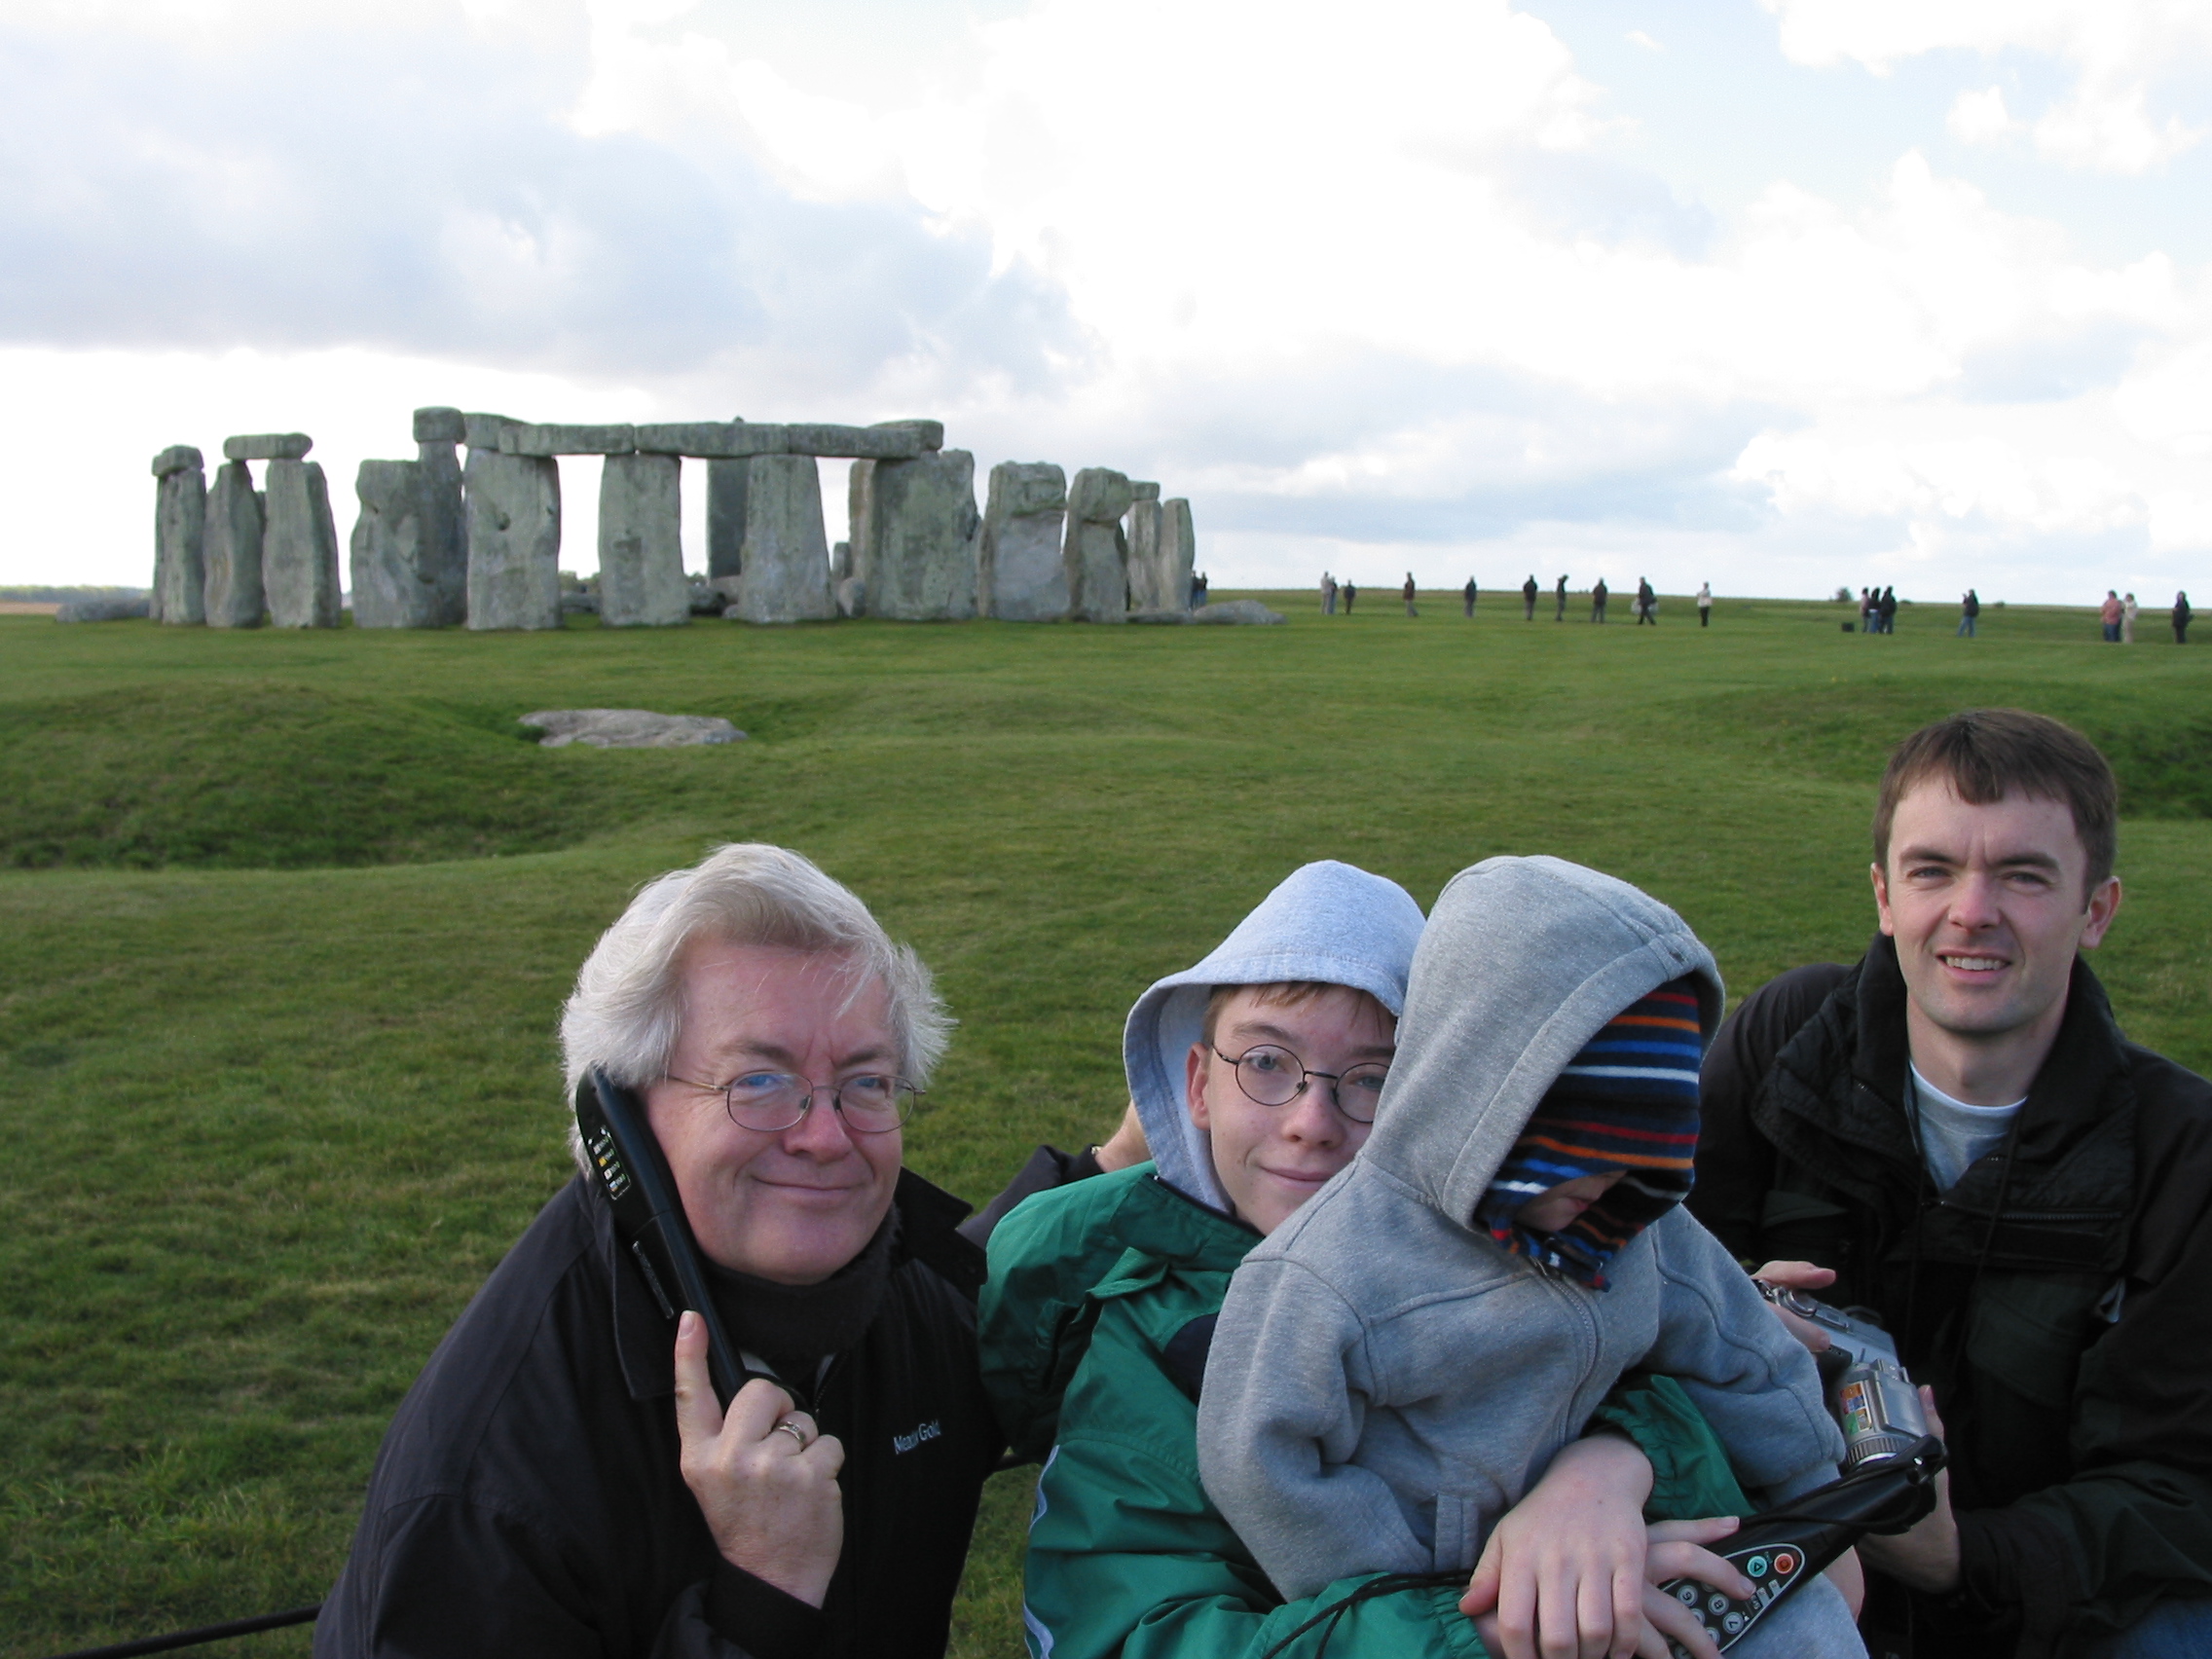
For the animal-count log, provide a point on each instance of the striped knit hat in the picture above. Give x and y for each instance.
(1627, 1102)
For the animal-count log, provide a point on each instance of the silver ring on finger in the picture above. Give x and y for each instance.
(790, 1426)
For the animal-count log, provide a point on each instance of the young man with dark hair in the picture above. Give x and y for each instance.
(1955, 1134)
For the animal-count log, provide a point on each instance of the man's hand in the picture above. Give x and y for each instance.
(1127, 1145)
(1927, 1558)
(769, 1494)
(1800, 1275)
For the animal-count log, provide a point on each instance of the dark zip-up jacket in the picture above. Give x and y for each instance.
(528, 1500)
(2061, 1307)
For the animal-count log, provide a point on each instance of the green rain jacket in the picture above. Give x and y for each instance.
(1095, 1327)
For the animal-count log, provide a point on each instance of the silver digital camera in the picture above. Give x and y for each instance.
(1870, 1393)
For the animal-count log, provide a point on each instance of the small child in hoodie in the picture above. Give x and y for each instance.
(1400, 1361)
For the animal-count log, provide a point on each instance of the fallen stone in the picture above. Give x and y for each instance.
(538, 440)
(180, 529)
(480, 431)
(444, 567)
(103, 611)
(1095, 551)
(708, 599)
(1178, 552)
(438, 424)
(641, 553)
(711, 440)
(299, 548)
(852, 597)
(1148, 590)
(785, 577)
(177, 459)
(921, 565)
(231, 551)
(386, 547)
(725, 517)
(1020, 572)
(514, 541)
(628, 728)
(1235, 610)
(1141, 491)
(267, 446)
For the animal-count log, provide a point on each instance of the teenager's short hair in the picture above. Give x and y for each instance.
(1289, 993)
(627, 1010)
(1988, 754)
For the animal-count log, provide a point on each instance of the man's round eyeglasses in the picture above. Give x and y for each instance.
(874, 1104)
(1276, 1077)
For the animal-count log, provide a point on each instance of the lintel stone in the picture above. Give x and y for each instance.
(1140, 489)
(267, 446)
(480, 431)
(438, 424)
(177, 458)
(711, 440)
(544, 440)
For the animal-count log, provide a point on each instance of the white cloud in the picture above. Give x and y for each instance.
(1980, 117)
(1636, 37)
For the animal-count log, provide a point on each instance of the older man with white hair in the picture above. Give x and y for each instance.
(561, 1479)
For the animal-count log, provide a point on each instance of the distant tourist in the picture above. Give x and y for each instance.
(1409, 595)
(1597, 601)
(2127, 609)
(1528, 592)
(1867, 610)
(1704, 604)
(1647, 603)
(1468, 594)
(1351, 592)
(1328, 594)
(1198, 584)
(1969, 608)
(2181, 618)
(1561, 614)
(1886, 611)
(2109, 615)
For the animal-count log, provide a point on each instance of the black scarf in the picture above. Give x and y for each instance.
(796, 1327)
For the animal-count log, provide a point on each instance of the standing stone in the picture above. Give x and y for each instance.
(641, 553)
(787, 555)
(1142, 489)
(725, 517)
(388, 545)
(840, 561)
(859, 515)
(443, 569)
(232, 550)
(299, 548)
(1178, 552)
(514, 539)
(1019, 574)
(181, 527)
(1095, 551)
(922, 515)
(1147, 584)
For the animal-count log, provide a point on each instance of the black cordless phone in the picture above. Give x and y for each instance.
(649, 1218)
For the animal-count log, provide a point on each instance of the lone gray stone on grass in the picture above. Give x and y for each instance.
(1235, 610)
(103, 611)
(1019, 573)
(514, 541)
(628, 728)
(921, 565)
(231, 550)
(1095, 551)
(299, 548)
(640, 556)
(787, 555)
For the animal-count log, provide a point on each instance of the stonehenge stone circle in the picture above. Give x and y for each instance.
(725, 517)
(1147, 588)
(181, 527)
(787, 555)
(1020, 572)
(391, 588)
(640, 558)
(1095, 551)
(299, 548)
(231, 549)
(267, 446)
(514, 539)
(920, 566)
(438, 424)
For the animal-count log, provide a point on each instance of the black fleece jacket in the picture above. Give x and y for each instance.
(2058, 1298)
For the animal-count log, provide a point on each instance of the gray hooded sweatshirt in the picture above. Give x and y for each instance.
(1326, 922)
(1385, 1382)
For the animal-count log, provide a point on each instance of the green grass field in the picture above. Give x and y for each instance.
(289, 918)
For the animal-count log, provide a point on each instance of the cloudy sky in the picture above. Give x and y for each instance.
(1779, 294)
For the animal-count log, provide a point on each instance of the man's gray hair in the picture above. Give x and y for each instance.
(627, 1010)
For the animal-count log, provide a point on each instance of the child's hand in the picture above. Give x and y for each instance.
(1562, 1575)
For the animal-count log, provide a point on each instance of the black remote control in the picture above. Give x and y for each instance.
(1772, 1569)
